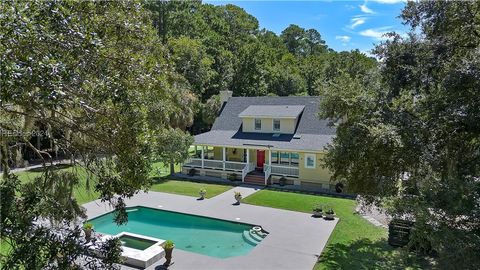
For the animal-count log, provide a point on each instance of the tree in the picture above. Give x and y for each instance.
(409, 137)
(315, 43)
(284, 77)
(173, 148)
(192, 61)
(211, 109)
(249, 77)
(59, 243)
(303, 42)
(96, 71)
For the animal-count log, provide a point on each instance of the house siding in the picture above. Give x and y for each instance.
(287, 126)
(317, 175)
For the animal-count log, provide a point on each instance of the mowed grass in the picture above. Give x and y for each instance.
(187, 188)
(354, 244)
(84, 192)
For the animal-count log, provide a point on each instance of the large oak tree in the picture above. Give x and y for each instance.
(410, 135)
(97, 73)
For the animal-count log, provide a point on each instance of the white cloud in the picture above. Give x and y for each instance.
(366, 9)
(349, 7)
(357, 21)
(344, 39)
(374, 33)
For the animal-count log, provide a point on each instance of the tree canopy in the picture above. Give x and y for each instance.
(118, 83)
(97, 73)
(225, 46)
(408, 135)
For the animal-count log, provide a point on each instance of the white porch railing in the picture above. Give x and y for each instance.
(285, 170)
(193, 162)
(214, 164)
(267, 169)
(235, 166)
(248, 168)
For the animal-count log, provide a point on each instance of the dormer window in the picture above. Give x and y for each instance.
(258, 124)
(276, 124)
(277, 119)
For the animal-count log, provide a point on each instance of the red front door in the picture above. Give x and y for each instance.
(260, 158)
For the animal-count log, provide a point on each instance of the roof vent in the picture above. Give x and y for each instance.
(297, 136)
(276, 135)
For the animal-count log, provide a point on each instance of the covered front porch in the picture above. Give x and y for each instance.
(241, 161)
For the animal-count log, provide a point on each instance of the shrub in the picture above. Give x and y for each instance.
(318, 208)
(168, 244)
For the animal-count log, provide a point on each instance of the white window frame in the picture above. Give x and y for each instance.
(313, 156)
(255, 124)
(279, 125)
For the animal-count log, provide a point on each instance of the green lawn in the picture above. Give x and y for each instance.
(81, 192)
(159, 174)
(188, 188)
(355, 242)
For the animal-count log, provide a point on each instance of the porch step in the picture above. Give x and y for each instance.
(255, 179)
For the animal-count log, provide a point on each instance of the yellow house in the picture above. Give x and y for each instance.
(264, 140)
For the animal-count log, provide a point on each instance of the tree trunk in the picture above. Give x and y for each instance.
(172, 168)
(4, 157)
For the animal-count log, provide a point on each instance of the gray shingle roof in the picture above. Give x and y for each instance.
(314, 133)
(306, 142)
(279, 111)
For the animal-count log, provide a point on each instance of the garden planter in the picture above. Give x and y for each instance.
(329, 216)
(238, 197)
(168, 256)
(88, 234)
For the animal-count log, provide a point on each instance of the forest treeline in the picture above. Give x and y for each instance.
(221, 47)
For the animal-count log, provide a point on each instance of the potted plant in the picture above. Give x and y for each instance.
(202, 193)
(317, 210)
(88, 229)
(168, 247)
(282, 181)
(238, 196)
(329, 214)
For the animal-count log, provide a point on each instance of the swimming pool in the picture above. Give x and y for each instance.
(207, 236)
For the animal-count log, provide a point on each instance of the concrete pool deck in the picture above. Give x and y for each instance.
(295, 241)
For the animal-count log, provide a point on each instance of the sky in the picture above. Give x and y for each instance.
(344, 25)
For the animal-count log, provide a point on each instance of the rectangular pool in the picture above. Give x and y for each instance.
(207, 236)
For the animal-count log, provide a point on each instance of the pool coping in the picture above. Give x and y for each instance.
(181, 213)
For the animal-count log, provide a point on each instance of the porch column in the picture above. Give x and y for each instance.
(224, 157)
(269, 157)
(195, 150)
(203, 156)
(248, 156)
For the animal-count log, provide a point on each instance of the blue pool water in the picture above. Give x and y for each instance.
(208, 236)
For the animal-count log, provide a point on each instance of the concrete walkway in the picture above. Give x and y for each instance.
(295, 240)
(36, 166)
